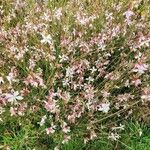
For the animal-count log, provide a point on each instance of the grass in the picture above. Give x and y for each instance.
(25, 137)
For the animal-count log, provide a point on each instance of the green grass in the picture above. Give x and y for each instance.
(26, 137)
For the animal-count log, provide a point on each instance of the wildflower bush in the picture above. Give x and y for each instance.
(72, 70)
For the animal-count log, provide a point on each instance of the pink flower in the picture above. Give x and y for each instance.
(25, 92)
(2, 100)
(13, 111)
(21, 109)
(146, 94)
(46, 16)
(34, 80)
(140, 68)
(12, 75)
(51, 106)
(50, 130)
(71, 118)
(65, 128)
(105, 94)
(66, 139)
(136, 82)
(109, 76)
(89, 92)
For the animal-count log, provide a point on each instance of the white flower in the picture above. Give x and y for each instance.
(2, 110)
(128, 14)
(46, 39)
(140, 132)
(12, 111)
(58, 13)
(145, 97)
(65, 82)
(46, 16)
(42, 120)
(13, 97)
(90, 79)
(109, 16)
(114, 136)
(56, 148)
(63, 58)
(140, 68)
(121, 127)
(11, 78)
(93, 135)
(69, 72)
(138, 56)
(93, 69)
(104, 107)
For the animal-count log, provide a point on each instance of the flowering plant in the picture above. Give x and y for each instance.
(66, 69)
